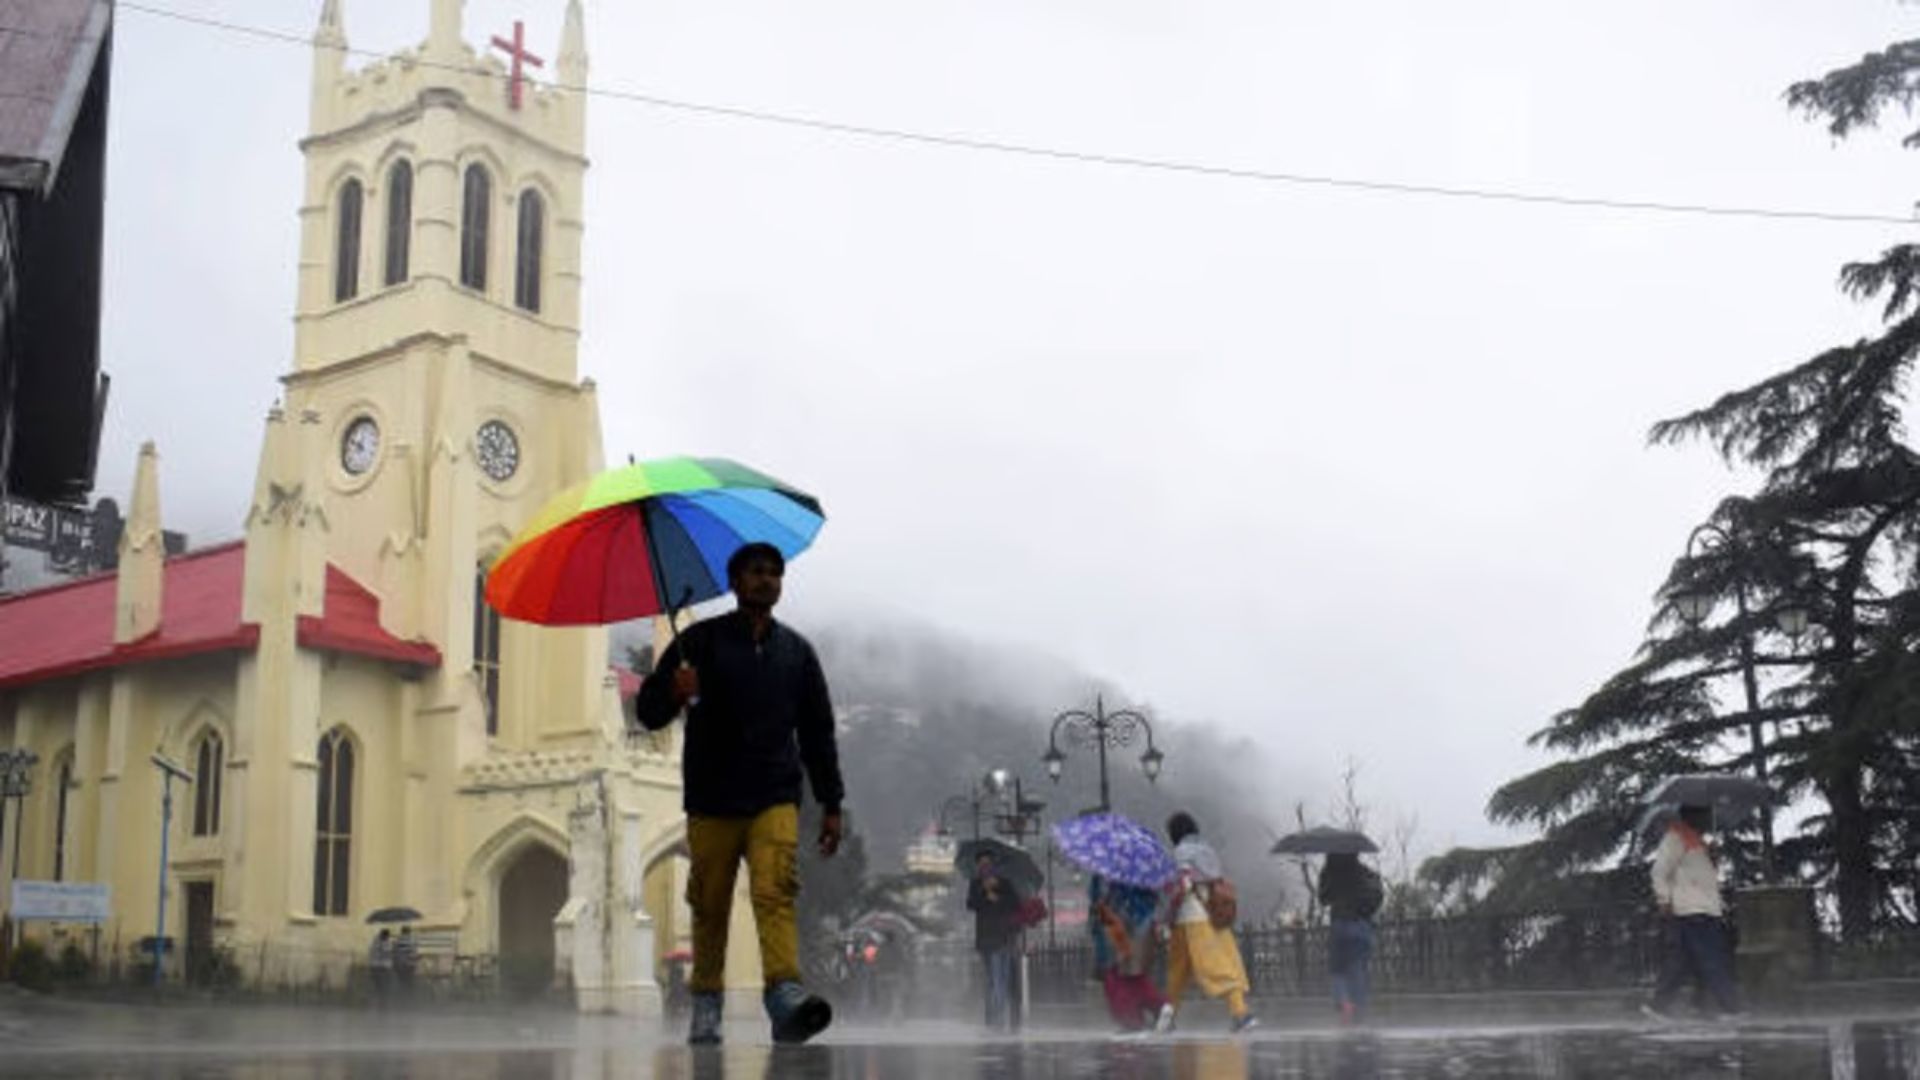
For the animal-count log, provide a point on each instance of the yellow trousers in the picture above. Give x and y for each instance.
(769, 842)
(1199, 953)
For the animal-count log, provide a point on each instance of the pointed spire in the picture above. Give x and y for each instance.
(329, 64)
(573, 47)
(333, 28)
(286, 527)
(142, 555)
(274, 461)
(445, 42)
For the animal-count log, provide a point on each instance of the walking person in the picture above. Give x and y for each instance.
(1202, 947)
(1352, 894)
(380, 965)
(406, 962)
(758, 714)
(996, 936)
(1122, 920)
(1686, 885)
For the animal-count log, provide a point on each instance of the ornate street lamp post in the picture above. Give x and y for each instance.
(1101, 729)
(1018, 816)
(1791, 617)
(974, 803)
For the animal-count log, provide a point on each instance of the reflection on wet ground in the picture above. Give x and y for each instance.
(282, 1044)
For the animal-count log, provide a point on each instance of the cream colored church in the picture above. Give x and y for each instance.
(360, 730)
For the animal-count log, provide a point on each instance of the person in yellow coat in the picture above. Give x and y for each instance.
(1198, 951)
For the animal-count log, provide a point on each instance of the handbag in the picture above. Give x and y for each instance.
(1031, 912)
(1222, 903)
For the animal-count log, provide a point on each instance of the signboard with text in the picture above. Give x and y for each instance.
(61, 901)
(79, 541)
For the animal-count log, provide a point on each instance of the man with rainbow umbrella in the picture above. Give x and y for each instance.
(650, 539)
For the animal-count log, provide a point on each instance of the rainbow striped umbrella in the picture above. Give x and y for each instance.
(645, 539)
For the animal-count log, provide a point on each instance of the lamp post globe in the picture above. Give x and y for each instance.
(1692, 607)
(1150, 763)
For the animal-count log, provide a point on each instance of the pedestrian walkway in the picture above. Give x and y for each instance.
(61, 1039)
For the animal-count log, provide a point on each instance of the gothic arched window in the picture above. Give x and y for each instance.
(63, 781)
(526, 268)
(486, 650)
(346, 248)
(333, 828)
(399, 220)
(207, 769)
(475, 209)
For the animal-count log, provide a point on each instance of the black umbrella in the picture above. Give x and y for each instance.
(1012, 864)
(1729, 797)
(394, 914)
(1325, 840)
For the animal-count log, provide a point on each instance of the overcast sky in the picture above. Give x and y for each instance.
(1360, 475)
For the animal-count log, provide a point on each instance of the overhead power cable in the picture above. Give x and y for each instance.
(1086, 157)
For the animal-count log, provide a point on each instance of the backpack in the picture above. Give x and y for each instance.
(1370, 894)
(1223, 904)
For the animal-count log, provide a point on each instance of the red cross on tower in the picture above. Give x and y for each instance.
(517, 48)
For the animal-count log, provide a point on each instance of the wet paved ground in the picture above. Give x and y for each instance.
(254, 1043)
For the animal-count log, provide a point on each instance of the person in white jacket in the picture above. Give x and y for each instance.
(1686, 885)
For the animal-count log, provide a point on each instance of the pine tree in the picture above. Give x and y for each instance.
(1832, 533)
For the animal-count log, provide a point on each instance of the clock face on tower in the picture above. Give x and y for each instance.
(497, 449)
(360, 446)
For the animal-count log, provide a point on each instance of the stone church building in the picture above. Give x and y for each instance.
(360, 729)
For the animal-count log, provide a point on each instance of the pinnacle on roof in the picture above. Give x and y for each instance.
(333, 28)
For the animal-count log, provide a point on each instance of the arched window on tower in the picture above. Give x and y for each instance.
(346, 248)
(475, 209)
(399, 221)
(486, 650)
(63, 788)
(333, 839)
(526, 268)
(208, 763)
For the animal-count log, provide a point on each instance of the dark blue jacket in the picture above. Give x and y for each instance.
(763, 714)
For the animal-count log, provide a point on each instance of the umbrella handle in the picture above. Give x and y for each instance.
(673, 628)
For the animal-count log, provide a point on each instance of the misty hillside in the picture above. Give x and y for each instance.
(924, 714)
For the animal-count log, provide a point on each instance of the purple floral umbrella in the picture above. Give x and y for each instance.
(1116, 848)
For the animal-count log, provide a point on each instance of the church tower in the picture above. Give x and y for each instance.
(436, 335)
(361, 731)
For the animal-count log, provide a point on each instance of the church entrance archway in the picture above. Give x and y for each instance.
(533, 888)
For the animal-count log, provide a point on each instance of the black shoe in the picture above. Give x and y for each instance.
(797, 1015)
(703, 1028)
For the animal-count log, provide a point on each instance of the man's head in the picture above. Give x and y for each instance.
(983, 865)
(754, 573)
(1181, 825)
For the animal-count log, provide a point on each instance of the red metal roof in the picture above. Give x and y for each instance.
(68, 629)
(349, 622)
